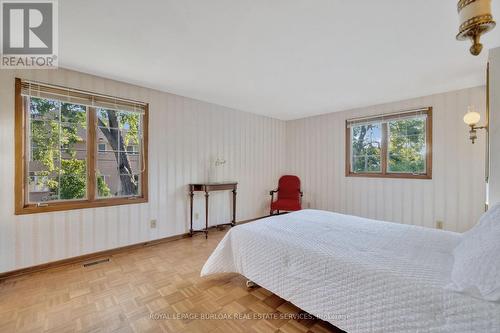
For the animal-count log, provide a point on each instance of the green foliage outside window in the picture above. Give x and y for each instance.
(72, 182)
(56, 134)
(406, 146)
(366, 148)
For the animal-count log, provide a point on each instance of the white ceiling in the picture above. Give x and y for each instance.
(281, 58)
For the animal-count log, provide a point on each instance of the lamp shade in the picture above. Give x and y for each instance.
(472, 10)
(472, 117)
(475, 19)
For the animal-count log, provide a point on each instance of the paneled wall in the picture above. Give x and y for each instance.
(185, 134)
(455, 195)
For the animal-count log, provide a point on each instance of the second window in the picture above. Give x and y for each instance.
(397, 145)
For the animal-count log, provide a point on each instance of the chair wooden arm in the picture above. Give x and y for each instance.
(271, 193)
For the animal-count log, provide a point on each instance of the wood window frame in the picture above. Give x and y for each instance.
(384, 157)
(21, 203)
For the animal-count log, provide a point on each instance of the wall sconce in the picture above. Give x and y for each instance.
(472, 118)
(220, 161)
(475, 20)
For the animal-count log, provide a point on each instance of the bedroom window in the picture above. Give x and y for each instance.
(397, 145)
(73, 149)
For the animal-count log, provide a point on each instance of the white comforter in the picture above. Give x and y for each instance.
(361, 275)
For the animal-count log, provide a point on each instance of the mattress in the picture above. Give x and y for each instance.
(361, 275)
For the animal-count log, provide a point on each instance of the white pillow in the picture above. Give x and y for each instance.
(476, 269)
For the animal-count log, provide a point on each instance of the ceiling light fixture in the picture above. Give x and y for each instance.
(475, 20)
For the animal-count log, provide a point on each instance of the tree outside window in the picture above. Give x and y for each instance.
(78, 155)
(396, 145)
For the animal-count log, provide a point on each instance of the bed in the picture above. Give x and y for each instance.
(361, 275)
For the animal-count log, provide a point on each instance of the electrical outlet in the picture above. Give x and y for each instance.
(439, 224)
(152, 224)
(196, 216)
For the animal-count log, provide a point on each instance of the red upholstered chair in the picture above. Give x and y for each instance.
(289, 195)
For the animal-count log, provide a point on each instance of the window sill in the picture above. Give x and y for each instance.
(389, 175)
(82, 204)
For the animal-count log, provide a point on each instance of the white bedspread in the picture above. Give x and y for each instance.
(361, 275)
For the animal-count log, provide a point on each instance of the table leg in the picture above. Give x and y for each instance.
(206, 214)
(191, 195)
(233, 222)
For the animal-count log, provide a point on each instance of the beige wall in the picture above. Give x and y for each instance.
(455, 195)
(184, 135)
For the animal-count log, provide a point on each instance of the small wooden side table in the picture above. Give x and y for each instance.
(207, 188)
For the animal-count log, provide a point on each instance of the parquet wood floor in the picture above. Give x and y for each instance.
(143, 290)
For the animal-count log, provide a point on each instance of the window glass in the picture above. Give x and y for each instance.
(366, 148)
(407, 146)
(76, 149)
(394, 145)
(119, 168)
(57, 168)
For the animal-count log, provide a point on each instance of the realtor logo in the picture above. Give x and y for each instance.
(29, 34)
